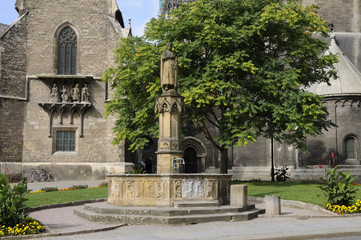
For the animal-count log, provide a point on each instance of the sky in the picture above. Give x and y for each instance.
(139, 11)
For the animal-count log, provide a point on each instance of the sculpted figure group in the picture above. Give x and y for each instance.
(76, 94)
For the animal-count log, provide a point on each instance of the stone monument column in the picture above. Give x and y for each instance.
(169, 106)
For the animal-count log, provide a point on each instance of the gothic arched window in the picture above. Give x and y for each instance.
(351, 147)
(67, 42)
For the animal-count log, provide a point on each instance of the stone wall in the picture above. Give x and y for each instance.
(11, 127)
(3, 28)
(344, 15)
(89, 18)
(13, 61)
(345, 113)
(13, 91)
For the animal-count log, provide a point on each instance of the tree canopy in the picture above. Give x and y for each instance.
(243, 65)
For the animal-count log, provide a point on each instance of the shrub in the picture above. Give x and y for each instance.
(138, 171)
(50, 189)
(281, 174)
(104, 184)
(12, 200)
(339, 189)
(80, 186)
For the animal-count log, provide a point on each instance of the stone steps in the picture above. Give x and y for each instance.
(103, 212)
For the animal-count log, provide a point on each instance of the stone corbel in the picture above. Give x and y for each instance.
(60, 108)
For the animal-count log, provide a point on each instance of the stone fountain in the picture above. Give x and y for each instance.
(170, 196)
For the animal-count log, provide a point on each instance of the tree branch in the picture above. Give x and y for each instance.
(209, 136)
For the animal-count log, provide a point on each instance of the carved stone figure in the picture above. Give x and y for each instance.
(169, 69)
(54, 95)
(75, 93)
(64, 95)
(85, 93)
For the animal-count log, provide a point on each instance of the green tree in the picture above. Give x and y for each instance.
(241, 65)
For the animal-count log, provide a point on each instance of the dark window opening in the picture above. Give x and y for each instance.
(119, 17)
(351, 148)
(67, 44)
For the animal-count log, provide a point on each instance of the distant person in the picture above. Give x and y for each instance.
(143, 165)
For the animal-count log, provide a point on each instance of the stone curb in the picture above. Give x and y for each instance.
(300, 205)
(68, 204)
(314, 236)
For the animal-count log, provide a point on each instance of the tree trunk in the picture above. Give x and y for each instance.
(224, 160)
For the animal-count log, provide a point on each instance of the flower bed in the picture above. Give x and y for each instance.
(355, 208)
(30, 227)
(75, 187)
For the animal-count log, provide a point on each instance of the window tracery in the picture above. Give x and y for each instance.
(67, 51)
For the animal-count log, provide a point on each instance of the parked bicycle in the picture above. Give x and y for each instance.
(42, 176)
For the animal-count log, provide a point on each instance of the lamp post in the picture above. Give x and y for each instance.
(272, 162)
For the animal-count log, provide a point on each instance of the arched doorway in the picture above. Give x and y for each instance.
(194, 155)
(190, 159)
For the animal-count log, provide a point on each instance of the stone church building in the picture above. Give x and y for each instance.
(52, 98)
(51, 94)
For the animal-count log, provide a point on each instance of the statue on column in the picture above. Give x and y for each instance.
(169, 69)
(75, 93)
(54, 95)
(85, 93)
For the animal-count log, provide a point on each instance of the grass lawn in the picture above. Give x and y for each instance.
(39, 199)
(299, 191)
(307, 192)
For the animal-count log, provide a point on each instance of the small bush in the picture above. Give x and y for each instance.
(80, 186)
(50, 189)
(339, 189)
(138, 171)
(12, 202)
(104, 184)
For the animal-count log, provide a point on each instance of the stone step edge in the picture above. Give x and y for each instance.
(167, 211)
(94, 216)
(83, 211)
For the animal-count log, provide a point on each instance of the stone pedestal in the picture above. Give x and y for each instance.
(165, 162)
(169, 106)
(238, 195)
(272, 204)
(119, 168)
